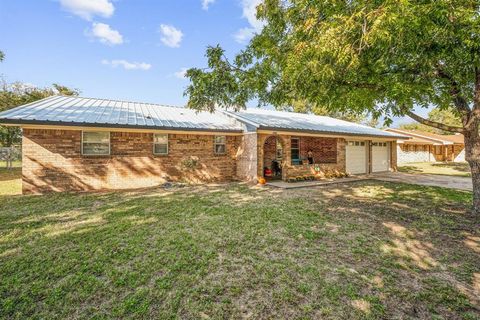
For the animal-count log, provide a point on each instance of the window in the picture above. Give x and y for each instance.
(220, 145)
(95, 143)
(160, 143)
(438, 150)
(356, 143)
(295, 150)
(378, 144)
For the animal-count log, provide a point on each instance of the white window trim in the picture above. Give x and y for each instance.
(215, 144)
(97, 155)
(153, 146)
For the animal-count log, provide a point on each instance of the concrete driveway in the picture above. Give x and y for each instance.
(461, 183)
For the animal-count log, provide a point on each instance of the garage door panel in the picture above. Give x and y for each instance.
(380, 157)
(356, 157)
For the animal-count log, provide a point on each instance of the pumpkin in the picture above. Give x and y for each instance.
(262, 180)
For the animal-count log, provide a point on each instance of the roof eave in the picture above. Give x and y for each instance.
(337, 133)
(16, 122)
(418, 135)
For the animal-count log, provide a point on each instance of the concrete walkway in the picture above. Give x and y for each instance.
(461, 183)
(305, 184)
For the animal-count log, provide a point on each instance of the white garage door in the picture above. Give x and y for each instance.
(380, 156)
(356, 157)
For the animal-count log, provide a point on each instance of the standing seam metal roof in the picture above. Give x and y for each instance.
(61, 110)
(77, 111)
(302, 122)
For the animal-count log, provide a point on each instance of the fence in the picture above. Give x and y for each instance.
(10, 154)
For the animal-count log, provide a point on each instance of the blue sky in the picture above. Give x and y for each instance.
(122, 49)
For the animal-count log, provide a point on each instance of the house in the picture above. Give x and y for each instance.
(74, 143)
(429, 147)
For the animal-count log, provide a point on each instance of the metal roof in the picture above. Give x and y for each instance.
(292, 121)
(77, 111)
(91, 112)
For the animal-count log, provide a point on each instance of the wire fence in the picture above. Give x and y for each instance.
(9, 155)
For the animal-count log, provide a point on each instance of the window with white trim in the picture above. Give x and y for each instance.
(160, 143)
(220, 145)
(95, 143)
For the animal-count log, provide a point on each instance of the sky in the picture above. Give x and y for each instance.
(134, 50)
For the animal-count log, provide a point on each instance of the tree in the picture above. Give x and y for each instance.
(446, 116)
(303, 107)
(418, 127)
(16, 94)
(2, 56)
(383, 57)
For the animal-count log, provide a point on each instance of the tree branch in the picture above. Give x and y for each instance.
(434, 124)
(458, 100)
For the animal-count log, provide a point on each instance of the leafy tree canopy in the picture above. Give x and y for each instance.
(380, 57)
(302, 107)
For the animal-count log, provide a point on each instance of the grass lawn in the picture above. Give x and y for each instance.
(442, 168)
(10, 180)
(361, 250)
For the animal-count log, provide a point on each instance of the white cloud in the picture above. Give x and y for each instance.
(171, 36)
(206, 4)
(249, 11)
(181, 73)
(86, 9)
(106, 34)
(127, 65)
(244, 34)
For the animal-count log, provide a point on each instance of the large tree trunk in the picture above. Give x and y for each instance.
(472, 155)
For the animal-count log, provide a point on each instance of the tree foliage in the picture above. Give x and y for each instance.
(16, 94)
(380, 57)
(302, 107)
(446, 116)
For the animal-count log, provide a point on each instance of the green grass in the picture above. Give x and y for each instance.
(461, 169)
(360, 250)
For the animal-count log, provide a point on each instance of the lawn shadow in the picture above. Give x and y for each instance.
(458, 166)
(409, 169)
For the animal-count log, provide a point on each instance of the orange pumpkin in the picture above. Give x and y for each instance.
(262, 180)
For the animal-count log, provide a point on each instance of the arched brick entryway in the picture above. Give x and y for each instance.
(272, 156)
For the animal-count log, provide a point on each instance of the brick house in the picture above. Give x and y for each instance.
(82, 144)
(429, 147)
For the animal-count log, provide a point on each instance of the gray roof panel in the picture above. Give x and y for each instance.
(60, 110)
(302, 122)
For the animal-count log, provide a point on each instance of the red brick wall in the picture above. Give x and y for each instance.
(324, 149)
(52, 161)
